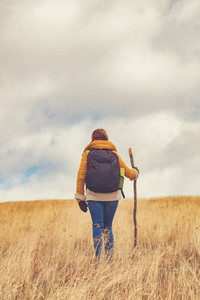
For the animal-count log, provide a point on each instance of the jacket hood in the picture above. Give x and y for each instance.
(100, 144)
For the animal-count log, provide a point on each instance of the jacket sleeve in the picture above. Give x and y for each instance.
(81, 178)
(130, 173)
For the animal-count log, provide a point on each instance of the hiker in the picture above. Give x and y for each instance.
(101, 198)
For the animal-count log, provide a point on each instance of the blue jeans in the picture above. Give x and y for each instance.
(102, 214)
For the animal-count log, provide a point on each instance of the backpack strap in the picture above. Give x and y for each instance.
(122, 193)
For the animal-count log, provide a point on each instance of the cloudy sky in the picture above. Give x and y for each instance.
(68, 67)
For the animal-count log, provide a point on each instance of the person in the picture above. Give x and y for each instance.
(102, 205)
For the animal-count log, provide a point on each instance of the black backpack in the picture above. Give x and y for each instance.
(103, 171)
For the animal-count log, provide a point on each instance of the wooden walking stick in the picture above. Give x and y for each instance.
(135, 200)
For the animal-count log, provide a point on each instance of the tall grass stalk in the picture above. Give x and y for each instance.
(47, 252)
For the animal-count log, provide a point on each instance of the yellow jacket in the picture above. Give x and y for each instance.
(98, 144)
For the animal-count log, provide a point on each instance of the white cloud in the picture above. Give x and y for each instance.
(70, 67)
(161, 147)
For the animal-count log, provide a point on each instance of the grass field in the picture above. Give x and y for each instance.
(47, 252)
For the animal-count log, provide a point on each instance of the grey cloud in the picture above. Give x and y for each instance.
(180, 152)
(68, 67)
(185, 148)
(89, 60)
(180, 32)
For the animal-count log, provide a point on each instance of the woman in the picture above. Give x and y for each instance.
(102, 205)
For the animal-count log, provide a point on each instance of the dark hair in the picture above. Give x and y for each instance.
(99, 134)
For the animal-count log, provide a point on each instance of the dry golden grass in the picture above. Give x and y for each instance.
(47, 251)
